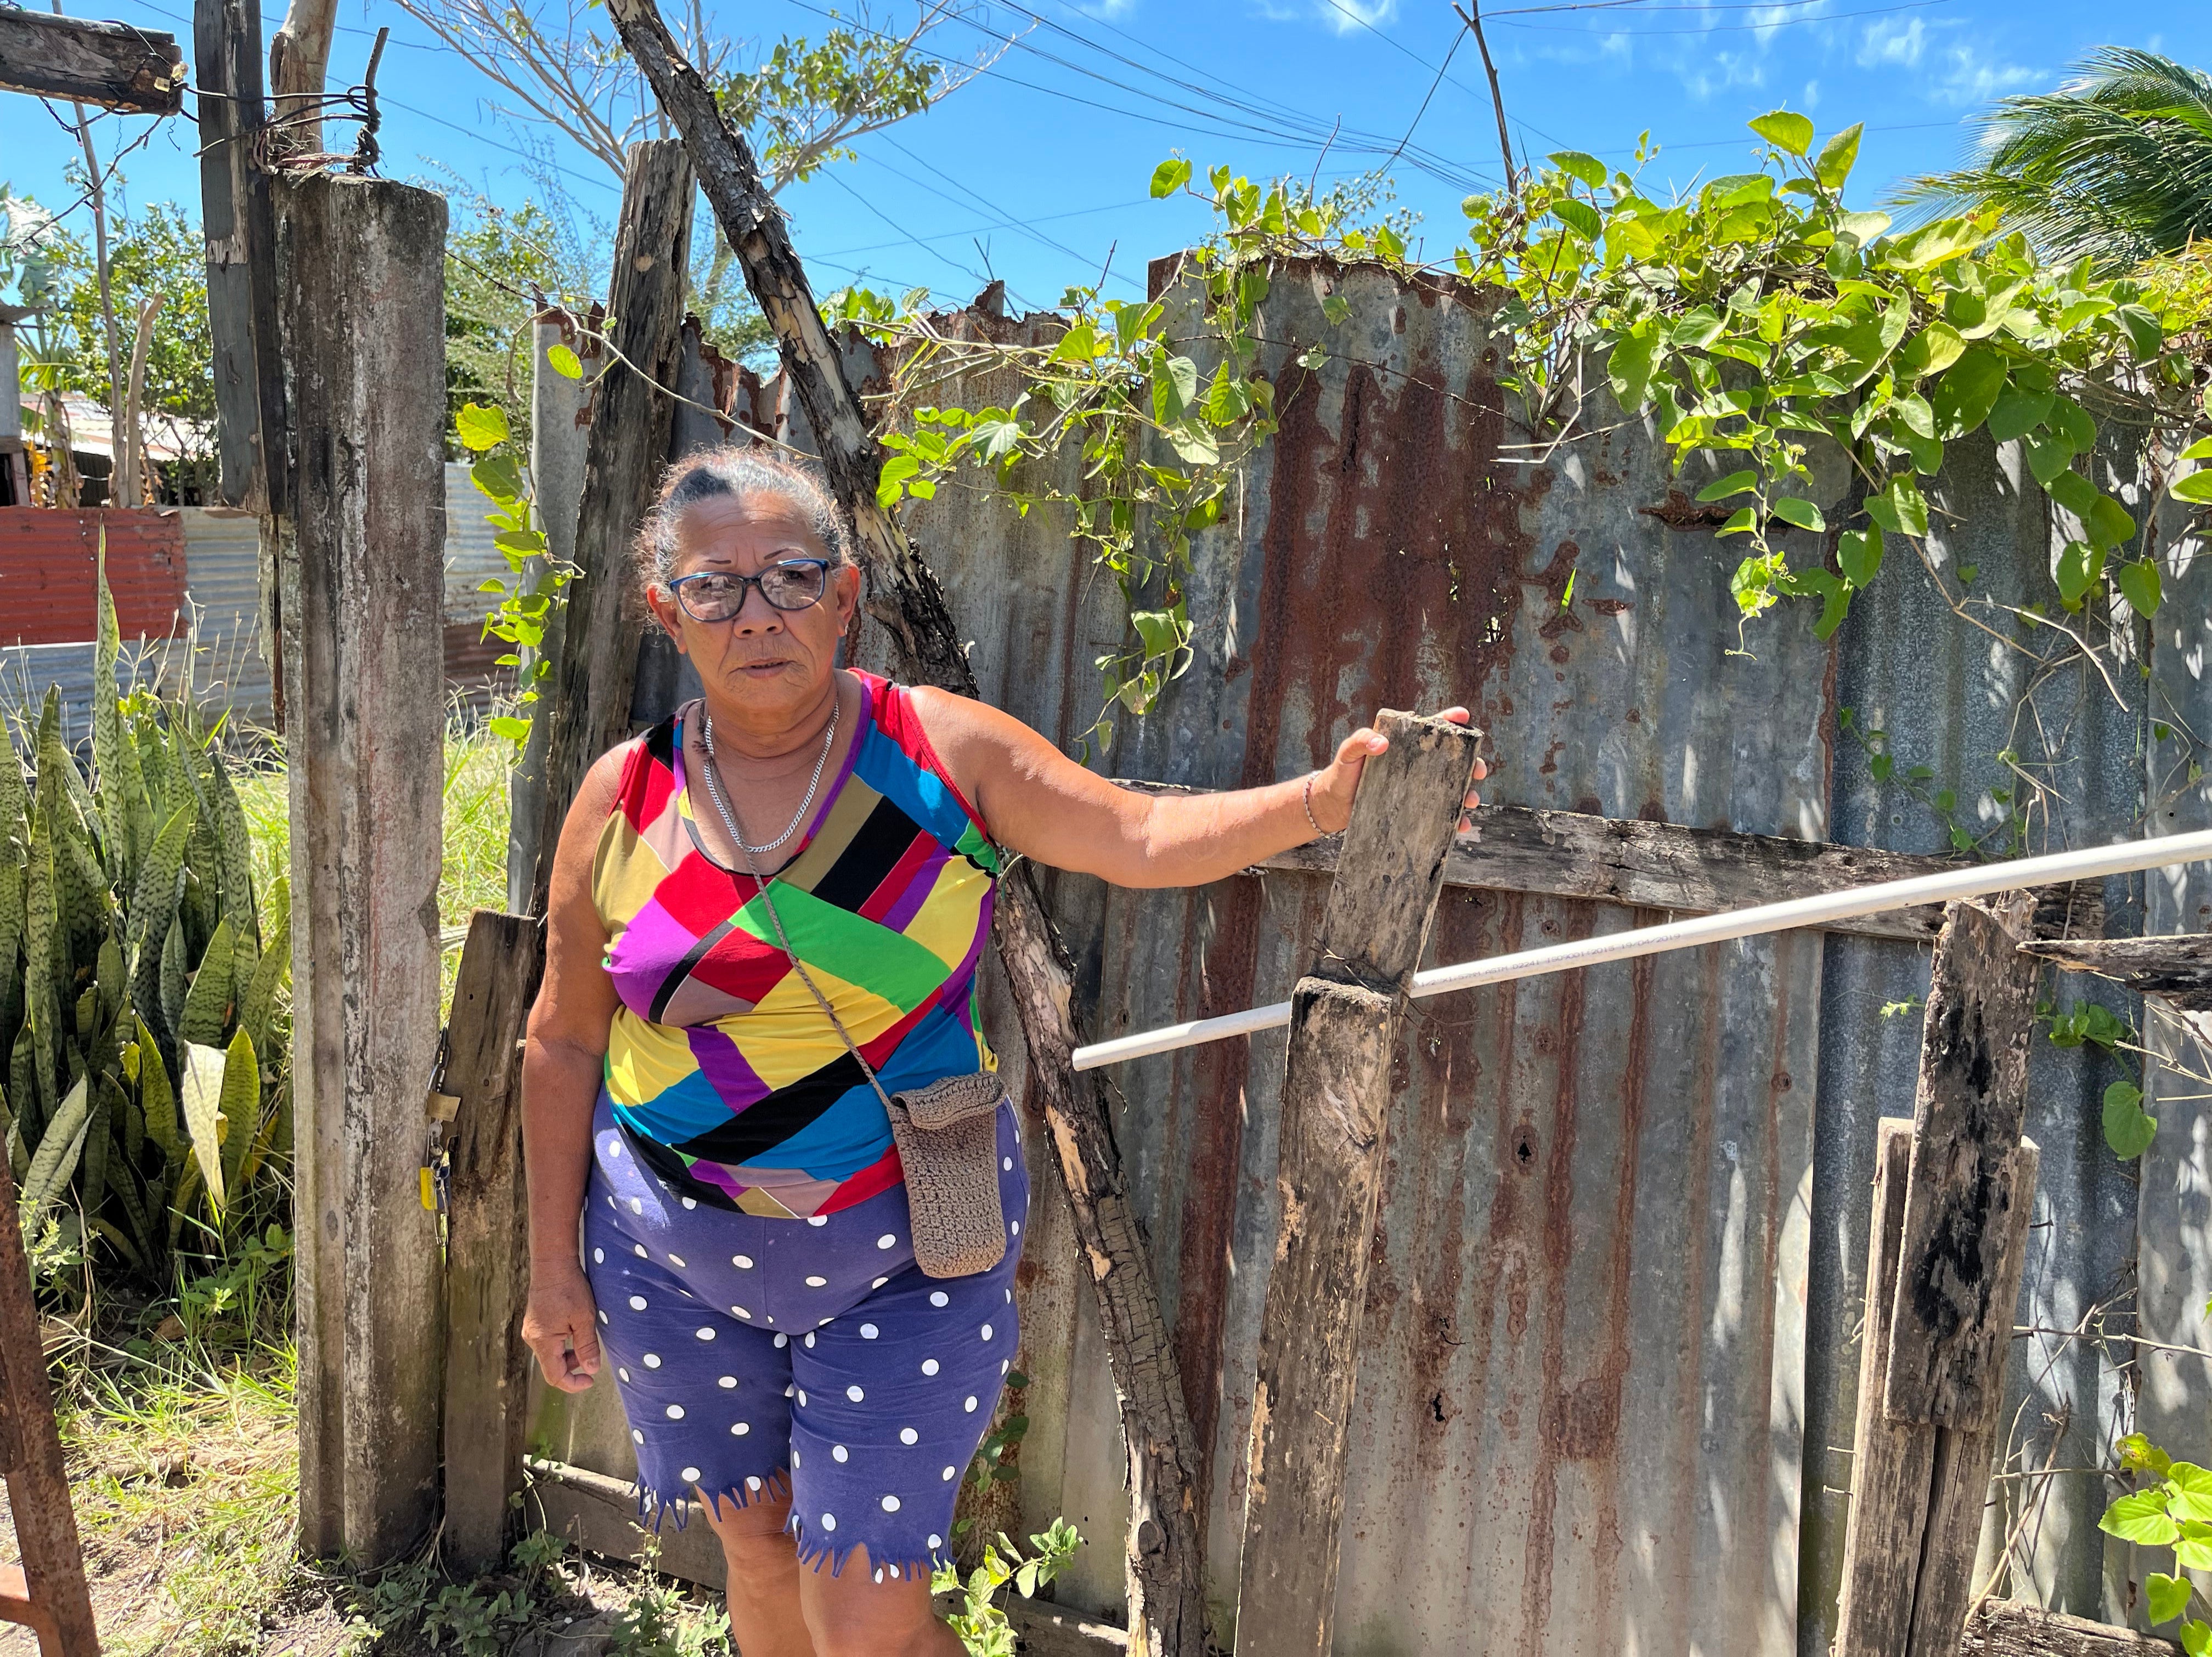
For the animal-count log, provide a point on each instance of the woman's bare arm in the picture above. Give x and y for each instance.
(1040, 803)
(563, 1057)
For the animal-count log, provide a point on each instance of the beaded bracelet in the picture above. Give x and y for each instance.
(1316, 821)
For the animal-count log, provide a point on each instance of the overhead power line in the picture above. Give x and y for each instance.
(1507, 19)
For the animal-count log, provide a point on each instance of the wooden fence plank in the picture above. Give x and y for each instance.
(2011, 1628)
(1959, 1483)
(1344, 1031)
(487, 1252)
(226, 60)
(1890, 1460)
(587, 707)
(363, 576)
(560, 435)
(48, 1592)
(1684, 870)
(1952, 1315)
(1917, 1490)
(2178, 968)
(116, 65)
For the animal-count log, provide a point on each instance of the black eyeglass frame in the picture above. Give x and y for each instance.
(822, 567)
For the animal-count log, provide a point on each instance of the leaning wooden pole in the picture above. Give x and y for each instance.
(587, 711)
(1167, 1603)
(1955, 1190)
(1336, 1099)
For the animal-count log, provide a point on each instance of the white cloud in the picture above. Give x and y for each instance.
(1107, 9)
(1811, 96)
(1765, 19)
(1346, 15)
(1893, 43)
(1721, 70)
(1970, 78)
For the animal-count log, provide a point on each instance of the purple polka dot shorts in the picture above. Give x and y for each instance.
(756, 1355)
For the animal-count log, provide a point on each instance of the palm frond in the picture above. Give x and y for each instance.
(2117, 164)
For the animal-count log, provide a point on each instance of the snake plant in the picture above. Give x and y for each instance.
(142, 1015)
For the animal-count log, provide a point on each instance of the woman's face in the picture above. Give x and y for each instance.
(766, 661)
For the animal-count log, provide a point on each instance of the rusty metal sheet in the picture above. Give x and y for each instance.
(1578, 1413)
(49, 566)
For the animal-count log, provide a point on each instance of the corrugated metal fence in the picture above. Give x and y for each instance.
(218, 622)
(1609, 1358)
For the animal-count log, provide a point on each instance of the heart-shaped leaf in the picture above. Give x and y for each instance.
(2140, 585)
(1803, 513)
(2139, 1516)
(1785, 130)
(1734, 483)
(1858, 555)
(1967, 391)
(2129, 1131)
(1838, 156)
(2168, 1596)
(481, 425)
(2080, 568)
(1586, 169)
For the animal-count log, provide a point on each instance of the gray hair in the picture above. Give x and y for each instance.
(736, 470)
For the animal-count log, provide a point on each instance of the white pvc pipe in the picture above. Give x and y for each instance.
(2127, 857)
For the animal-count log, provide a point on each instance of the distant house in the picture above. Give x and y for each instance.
(180, 453)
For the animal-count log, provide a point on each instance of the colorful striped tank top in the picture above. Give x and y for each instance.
(722, 1071)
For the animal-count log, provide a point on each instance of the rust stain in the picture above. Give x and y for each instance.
(1213, 1138)
(1556, 1240)
(1678, 512)
(1385, 518)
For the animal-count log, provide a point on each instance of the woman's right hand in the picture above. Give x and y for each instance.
(560, 1327)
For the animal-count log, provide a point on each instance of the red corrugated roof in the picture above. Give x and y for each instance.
(48, 572)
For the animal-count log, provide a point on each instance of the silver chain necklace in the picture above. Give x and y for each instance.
(721, 801)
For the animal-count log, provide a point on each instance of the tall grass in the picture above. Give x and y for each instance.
(474, 803)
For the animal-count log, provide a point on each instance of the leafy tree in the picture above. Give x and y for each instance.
(2116, 164)
(802, 103)
(501, 264)
(159, 252)
(564, 68)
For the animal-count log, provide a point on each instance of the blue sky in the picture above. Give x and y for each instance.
(1037, 168)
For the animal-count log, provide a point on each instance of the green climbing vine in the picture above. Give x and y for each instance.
(532, 588)
(1759, 318)
(1162, 435)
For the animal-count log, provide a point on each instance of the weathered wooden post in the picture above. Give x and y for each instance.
(46, 1592)
(487, 1252)
(1336, 1092)
(587, 707)
(1954, 1193)
(361, 569)
(239, 223)
(15, 464)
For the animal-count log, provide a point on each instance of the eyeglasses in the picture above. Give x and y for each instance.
(716, 595)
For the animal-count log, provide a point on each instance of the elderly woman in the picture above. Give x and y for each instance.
(766, 919)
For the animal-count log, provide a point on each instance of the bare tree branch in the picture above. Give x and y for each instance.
(807, 103)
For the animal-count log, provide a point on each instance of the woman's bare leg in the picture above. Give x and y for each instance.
(767, 1618)
(852, 1615)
